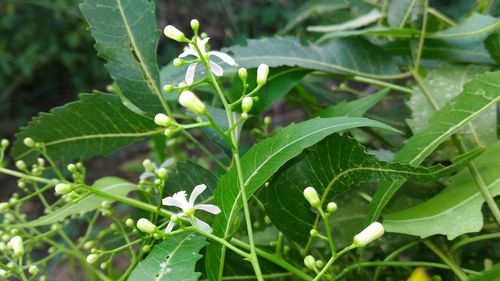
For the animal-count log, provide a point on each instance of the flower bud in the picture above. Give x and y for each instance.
(331, 207)
(146, 248)
(20, 164)
(319, 264)
(106, 205)
(267, 121)
(168, 88)
(162, 173)
(262, 72)
(16, 243)
(33, 270)
(63, 188)
(369, 234)
(4, 206)
(148, 165)
(89, 244)
(129, 222)
(4, 143)
(313, 232)
(170, 132)
(190, 101)
(178, 62)
(92, 258)
(310, 262)
(162, 120)
(29, 142)
(145, 225)
(244, 116)
(243, 74)
(195, 25)
(312, 197)
(72, 168)
(246, 104)
(175, 34)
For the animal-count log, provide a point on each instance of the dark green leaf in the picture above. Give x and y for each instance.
(90, 202)
(173, 259)
(493, 46)
(355, 108)
(478, 95)
(187, 175)
(259, 164)
(97, 124)
(127, 37)
(333, 167)
(457, 209)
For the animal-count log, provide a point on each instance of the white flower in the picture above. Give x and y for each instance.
(188, 207)
(216, 69)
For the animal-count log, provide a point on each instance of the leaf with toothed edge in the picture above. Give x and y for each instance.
(173, 259)
(259, 164)
(126, 37)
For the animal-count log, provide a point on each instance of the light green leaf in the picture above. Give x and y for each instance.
(355, 108)
(358, 22)
(259, 164)
(90, 202)
(313, 9)
(127, 37)
(402, 11)
(97, 124)
(332, 167)
(478, 96)
(173, 259)
(455, 210)
(492, 274)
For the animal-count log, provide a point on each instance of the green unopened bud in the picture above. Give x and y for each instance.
(20, 164)
(310, 262)
(162, 173)
(244, 116)
(369, 234)
(175, 34)
(106, 205)
(145, 225)
(195, 25)
(63, 188)
(89, 244)
(246, 104)
(312, 197)
(4, 143)
(104, 265)
(190, 101)
(267, 121)
(243, 74)
(33, 270)
(130, 223)
(4, 206)
(16, 243)
(331, 207)
(72, 168)
(92, 258)
(170, 132)
(182, 85)
(29, 142)
(203, 35)
(319, 264)
(148, 165)
(168, 88)
(40, 161)
(178, 62)
(162, 120)
(313, 232)
(146, 248)
(262, 72)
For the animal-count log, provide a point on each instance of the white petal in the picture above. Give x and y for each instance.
(146, 175)
(208, 208)
(203, 225)
(201, 45)
(196, 192)
(216, 69)
(169, 227)
(190, 73)
(177, 200)
(167, 162)
(225, 57)
(188, 52)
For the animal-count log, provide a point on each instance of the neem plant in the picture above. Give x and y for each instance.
(294, 203)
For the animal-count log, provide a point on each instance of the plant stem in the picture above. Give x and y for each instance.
(329, 235)
(474, 239)
(422, 37)
(222, 241)
(383, 84)
(332, 260)
(25, 176)
(457, 270)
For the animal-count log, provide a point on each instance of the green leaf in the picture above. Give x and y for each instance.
(332, 167)
(173, 259)
(90, 202)
(346, 56)
(355, 108)
(455, 210)
(97, 124)
(187, 175)
(492, 274)
(259, 164)
(401, 11)
(127, 37)
(358, 22)
(493, 46)
(478, 96)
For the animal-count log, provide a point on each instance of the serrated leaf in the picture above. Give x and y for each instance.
(346, 56)
(259, 164)
(97, 124)
(355, 108)
(332, 167)
(127, 37)
(173, 259)
(90, 202)
(478, 96)
(455, 210)
(358, 22)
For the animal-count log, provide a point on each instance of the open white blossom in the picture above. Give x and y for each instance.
(188, 207)
(190, 50)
